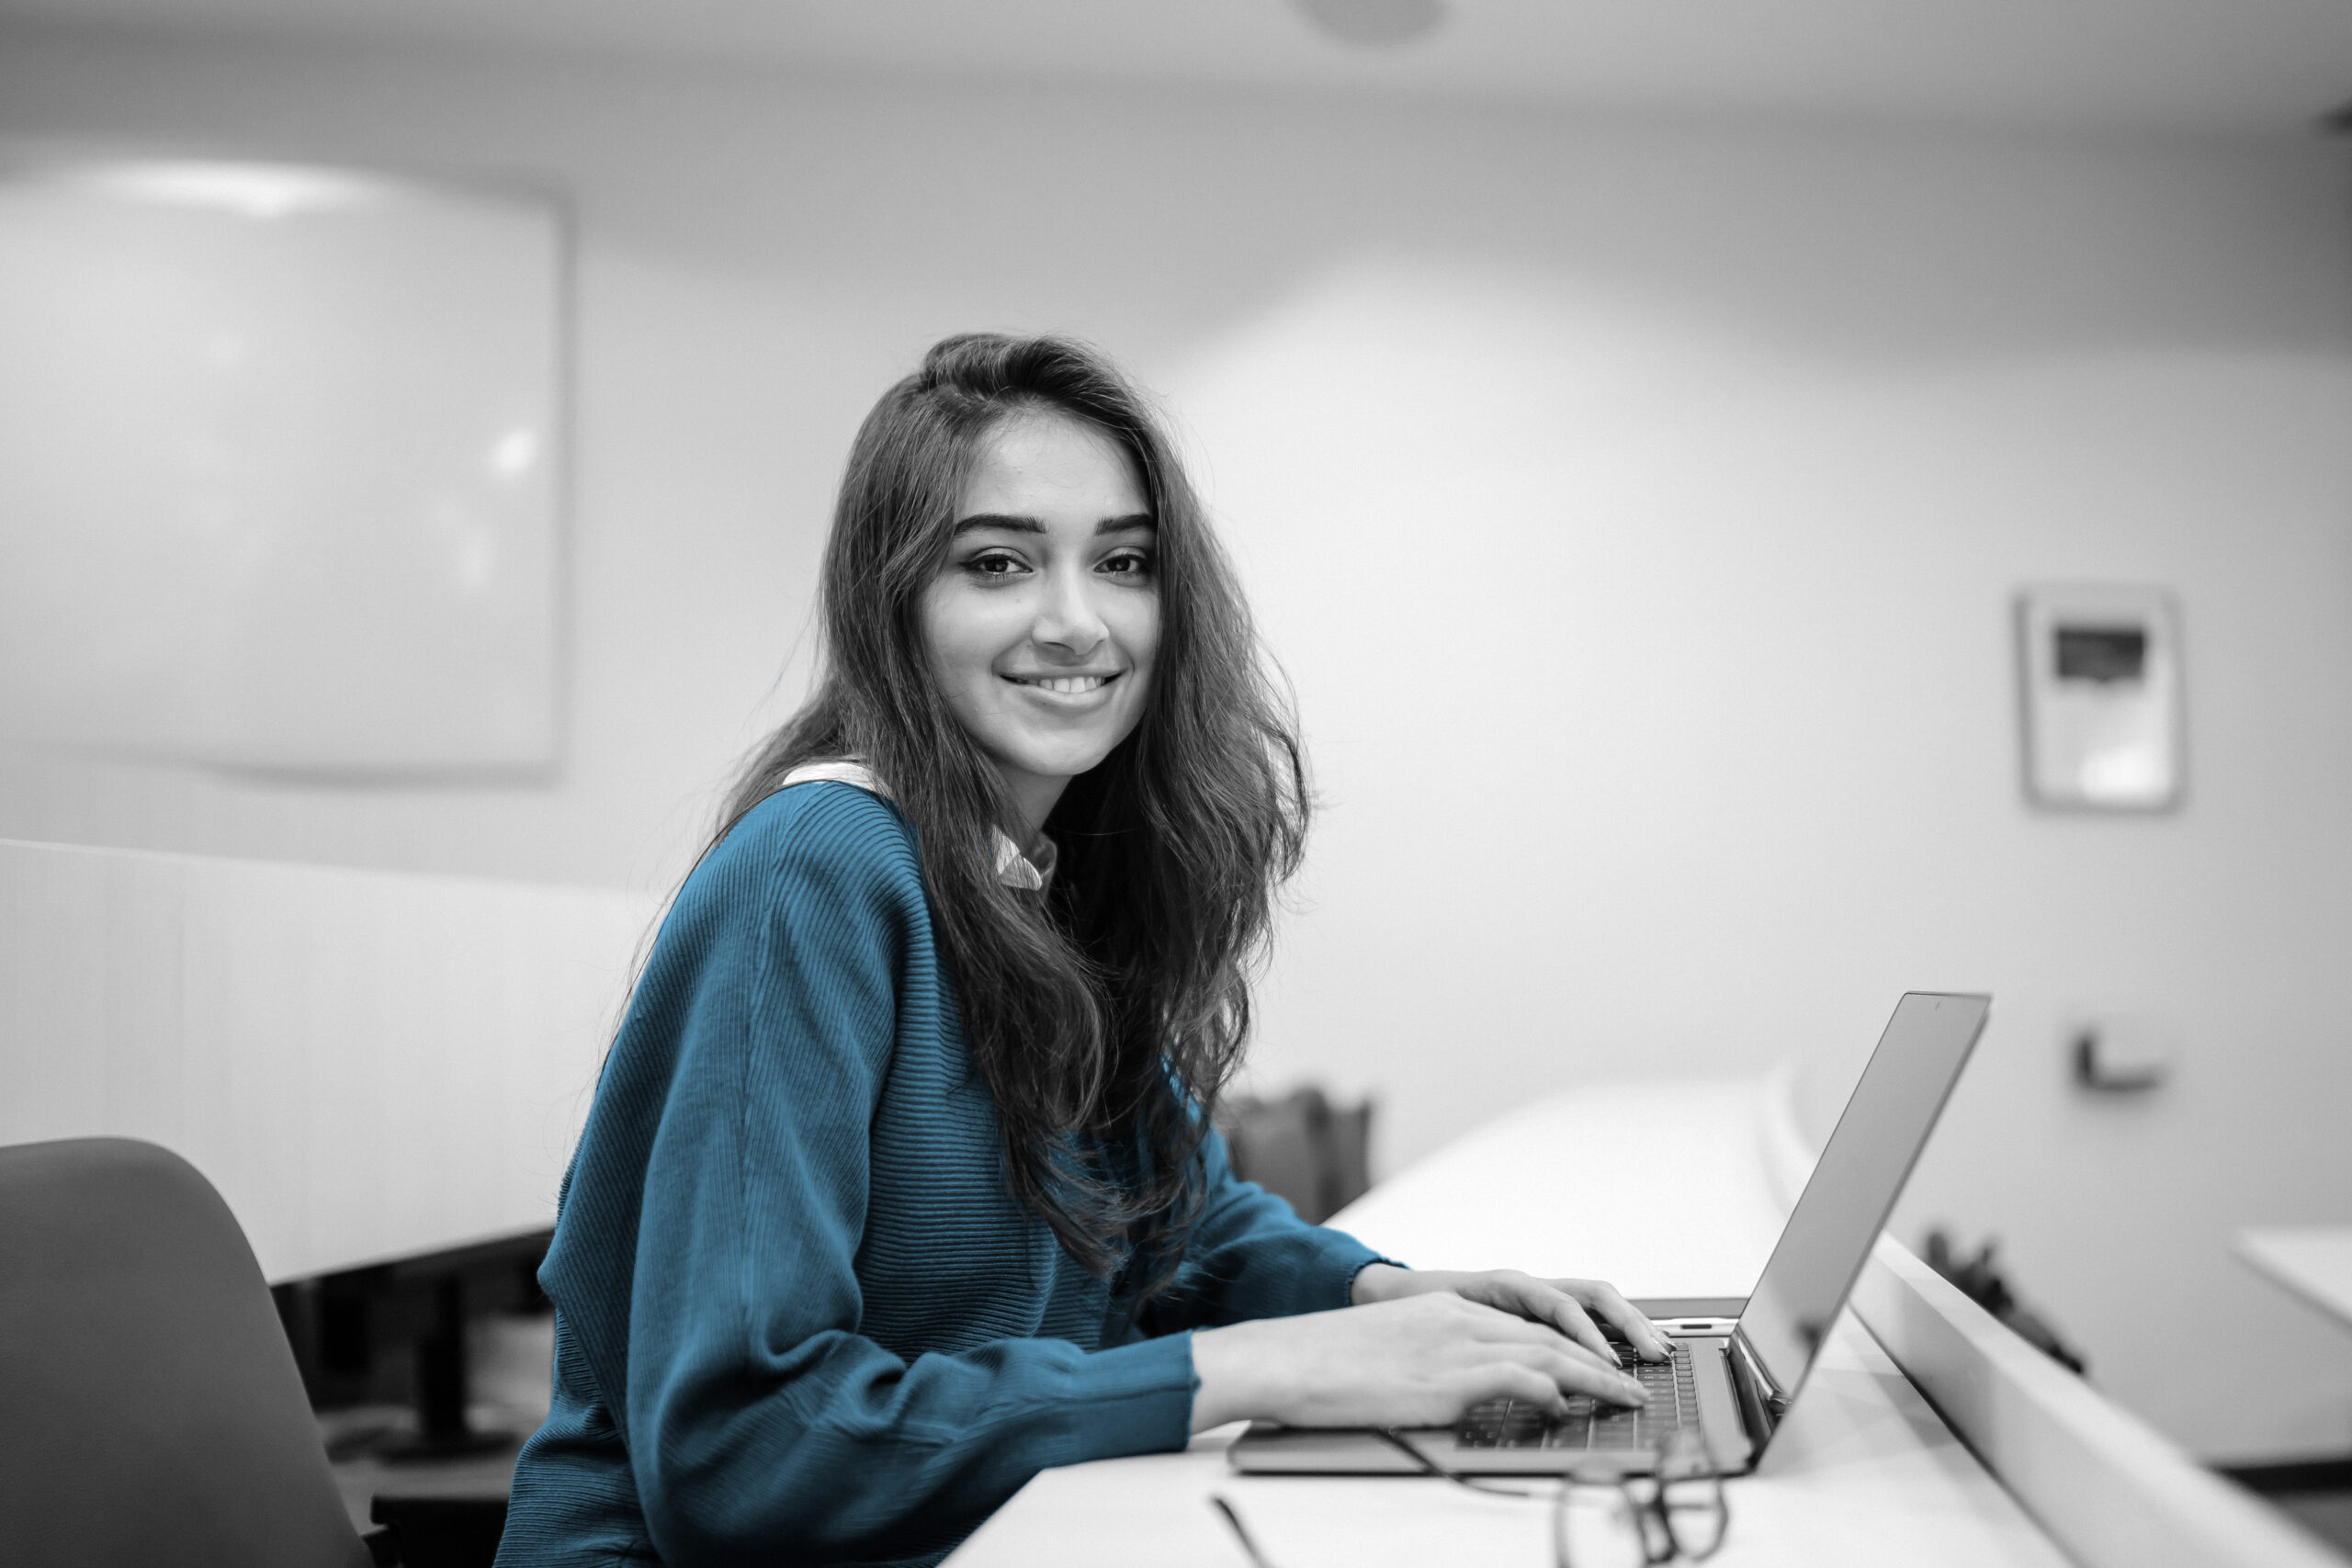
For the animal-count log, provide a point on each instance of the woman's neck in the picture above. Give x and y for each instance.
(1033, 797)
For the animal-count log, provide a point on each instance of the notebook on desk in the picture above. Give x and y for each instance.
(1738, 1363)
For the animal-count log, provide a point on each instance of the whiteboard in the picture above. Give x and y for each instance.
(280, 468)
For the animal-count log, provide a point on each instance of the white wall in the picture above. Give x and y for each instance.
(1651, 620)
(368, 1064)
(1636, 506)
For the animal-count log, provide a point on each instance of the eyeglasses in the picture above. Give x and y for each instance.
(1679, 1513)
(1634, 1522)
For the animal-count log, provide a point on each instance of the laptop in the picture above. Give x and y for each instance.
(1738, 1363)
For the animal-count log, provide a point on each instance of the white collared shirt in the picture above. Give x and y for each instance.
(1028, 871)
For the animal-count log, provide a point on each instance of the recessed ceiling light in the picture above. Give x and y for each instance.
(1375, 24)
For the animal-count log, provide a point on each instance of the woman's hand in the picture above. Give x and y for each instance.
(1418, 1361)
(1569, 1305)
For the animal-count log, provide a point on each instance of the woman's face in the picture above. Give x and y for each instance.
(1044, 618)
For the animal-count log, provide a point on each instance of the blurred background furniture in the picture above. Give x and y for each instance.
(154, 1413)
(2312, 1263)
(1301, 1147)
(426, 1374)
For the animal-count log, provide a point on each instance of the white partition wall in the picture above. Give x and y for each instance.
(368, 1064)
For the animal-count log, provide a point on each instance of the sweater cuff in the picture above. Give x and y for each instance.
(1348, 1291)
(1346, 1258)
(1133, 1399)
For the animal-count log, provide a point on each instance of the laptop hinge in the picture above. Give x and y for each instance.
(1761, 1399)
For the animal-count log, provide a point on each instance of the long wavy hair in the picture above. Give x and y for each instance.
(1108, 1015)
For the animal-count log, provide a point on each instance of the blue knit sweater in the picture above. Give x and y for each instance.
(799, 1318)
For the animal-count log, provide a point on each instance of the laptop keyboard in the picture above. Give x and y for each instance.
(1591, 1423)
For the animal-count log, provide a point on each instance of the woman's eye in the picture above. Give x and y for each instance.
(993, 565)
(1132, 563)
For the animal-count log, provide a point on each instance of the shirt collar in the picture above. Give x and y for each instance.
(1028, 870)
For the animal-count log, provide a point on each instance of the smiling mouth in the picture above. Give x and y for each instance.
(1068, 685)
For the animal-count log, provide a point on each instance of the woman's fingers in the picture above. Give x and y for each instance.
(1566, 1306)
(1602, 1297)
(1564, 1374)
(1530, 1317)
(1546, 1302)
(1569, 1316)
(1506, 1380)
(1489, 1334)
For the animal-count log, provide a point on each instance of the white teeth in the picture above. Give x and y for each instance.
(1068, 685)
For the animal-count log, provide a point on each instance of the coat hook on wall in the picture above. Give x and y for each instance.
(2109, 1060)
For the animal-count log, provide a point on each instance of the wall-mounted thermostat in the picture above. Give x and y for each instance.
(2101, 668)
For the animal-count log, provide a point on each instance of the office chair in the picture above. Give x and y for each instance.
(149, 1408)
(1301, 1148)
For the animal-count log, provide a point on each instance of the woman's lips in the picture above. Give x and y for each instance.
(1064, 685)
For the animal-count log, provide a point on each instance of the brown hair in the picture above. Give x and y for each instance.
(1107, 1016)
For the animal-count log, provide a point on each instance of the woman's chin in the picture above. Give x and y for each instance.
(1059, 760)
(1063, 766)
(1057, 751)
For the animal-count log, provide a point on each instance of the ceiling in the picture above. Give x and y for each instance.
(2276, 65)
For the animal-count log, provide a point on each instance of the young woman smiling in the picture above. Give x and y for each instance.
(901, 1183)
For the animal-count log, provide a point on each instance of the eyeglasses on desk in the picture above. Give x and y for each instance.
(1678, 1515)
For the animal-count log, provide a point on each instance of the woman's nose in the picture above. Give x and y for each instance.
(1069, 618)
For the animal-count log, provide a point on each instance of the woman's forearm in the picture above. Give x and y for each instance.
(1372, 1283)
(1230, 1368)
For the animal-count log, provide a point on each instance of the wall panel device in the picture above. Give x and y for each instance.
(280, 470)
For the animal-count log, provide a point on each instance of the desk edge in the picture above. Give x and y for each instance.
(2109, 1489)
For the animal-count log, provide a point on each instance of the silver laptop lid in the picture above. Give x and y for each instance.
(1853, 1188)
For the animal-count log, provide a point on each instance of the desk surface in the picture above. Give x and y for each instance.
(1863, 1471)
(2314, 1262)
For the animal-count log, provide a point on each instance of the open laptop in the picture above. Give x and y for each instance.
(1737, 1364)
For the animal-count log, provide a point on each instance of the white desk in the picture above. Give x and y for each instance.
(2314, 1262)
(1863, 1472)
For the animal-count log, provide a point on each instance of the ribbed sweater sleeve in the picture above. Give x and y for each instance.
(760, 1424)
(1251, 1256)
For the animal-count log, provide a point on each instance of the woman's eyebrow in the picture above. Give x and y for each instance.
(1014, 524)
(998, 520)
(979, 520)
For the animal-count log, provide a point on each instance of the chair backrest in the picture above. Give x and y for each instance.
(1301, 1147)
(150, 1407)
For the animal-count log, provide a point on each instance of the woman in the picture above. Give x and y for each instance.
(900, 1184)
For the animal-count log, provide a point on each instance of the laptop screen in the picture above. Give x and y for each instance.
(1860, 1173)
